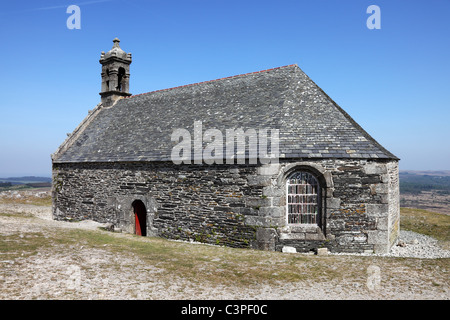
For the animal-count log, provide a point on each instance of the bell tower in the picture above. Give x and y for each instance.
(115, 74)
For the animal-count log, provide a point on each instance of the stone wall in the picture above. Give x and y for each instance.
(393, 202)
(198, 202)
(360, 209)
(237, 205)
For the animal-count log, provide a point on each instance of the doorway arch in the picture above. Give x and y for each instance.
(140, 218)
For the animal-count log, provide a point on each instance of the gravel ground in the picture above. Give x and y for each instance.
(416, 245)
(86, 273)
(412, 245)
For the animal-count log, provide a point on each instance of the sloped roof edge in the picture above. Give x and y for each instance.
(349, 118)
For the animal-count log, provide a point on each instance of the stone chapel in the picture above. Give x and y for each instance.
(332, 185)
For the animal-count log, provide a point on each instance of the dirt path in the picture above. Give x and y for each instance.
(70, 271)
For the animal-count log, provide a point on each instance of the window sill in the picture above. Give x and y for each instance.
(304, 227)
(301, 232)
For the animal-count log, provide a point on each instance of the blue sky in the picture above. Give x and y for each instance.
(395, 81)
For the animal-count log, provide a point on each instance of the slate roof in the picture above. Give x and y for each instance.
(139, 128)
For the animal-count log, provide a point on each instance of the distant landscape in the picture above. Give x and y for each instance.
(418, 181)
(19, 183)
(429, 190)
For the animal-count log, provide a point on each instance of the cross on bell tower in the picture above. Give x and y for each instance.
(115, 74)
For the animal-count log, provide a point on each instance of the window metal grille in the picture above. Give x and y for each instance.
(302, 198)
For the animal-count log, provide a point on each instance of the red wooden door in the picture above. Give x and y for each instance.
(138, 225)
(140, 218)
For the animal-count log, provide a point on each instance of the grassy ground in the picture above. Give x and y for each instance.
(426, 222)
(240, 267)
(28, 199)
(219, 266)
(216, 266)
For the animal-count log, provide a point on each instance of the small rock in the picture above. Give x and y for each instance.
(108, 226)
(322, 251)
(401, 243)
(415, 241)
(289, 249)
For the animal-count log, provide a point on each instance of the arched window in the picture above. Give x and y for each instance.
(303, 198)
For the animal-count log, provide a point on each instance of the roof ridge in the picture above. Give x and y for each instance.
(208, 81)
